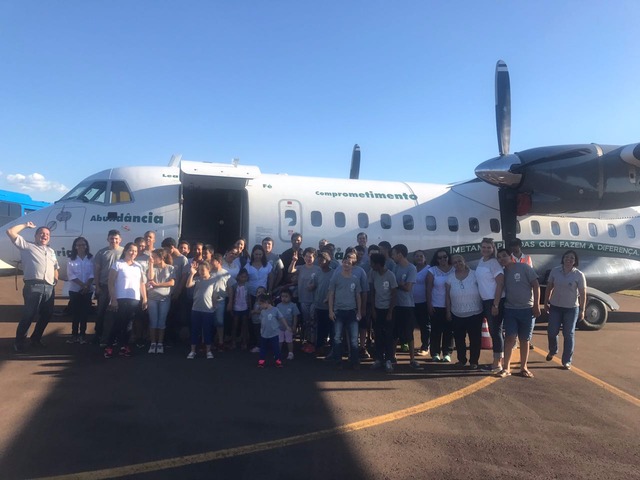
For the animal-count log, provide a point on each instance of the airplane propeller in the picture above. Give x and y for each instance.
(354, 174)
(507, 195)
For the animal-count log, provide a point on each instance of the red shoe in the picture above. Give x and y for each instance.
(278, 364)
(125, 351)
(260, 363)
(108, 352)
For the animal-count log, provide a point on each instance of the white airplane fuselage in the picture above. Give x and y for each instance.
(218, 203)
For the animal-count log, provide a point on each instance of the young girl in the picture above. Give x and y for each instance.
(254, 333)
(290, 313)
(126, 289)
(203, 314)
(271, 321)
(161, 279)
(238, 307)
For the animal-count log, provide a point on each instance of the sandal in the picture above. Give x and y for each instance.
(526, 374)
(503, 373)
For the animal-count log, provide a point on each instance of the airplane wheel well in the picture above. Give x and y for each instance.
(595, 315)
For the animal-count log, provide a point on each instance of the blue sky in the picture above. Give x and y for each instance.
(292, 85)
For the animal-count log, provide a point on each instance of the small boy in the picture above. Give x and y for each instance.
(290, 313)
(270, 322)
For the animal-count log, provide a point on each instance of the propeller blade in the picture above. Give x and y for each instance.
(508, 198)
(354, 174)
(503, 107)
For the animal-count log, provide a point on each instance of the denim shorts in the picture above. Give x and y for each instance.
(520, 322)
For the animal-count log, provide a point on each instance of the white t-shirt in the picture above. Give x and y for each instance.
(486, 273)
(129, 279)
(438, 293)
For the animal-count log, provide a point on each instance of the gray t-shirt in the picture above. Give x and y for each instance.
(383, 286)
(161, 275)
(105, 259)
(288, 311)
(306, 277)
(270, 322)
(204, 294)
(345, 290)
(405, 274)
(358, 272)
(322, 289)
(518, 280)
(566, 287)
(180, 268)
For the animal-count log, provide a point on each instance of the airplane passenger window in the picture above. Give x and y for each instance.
(316, 218)
(593, 230)
(120, 192)
(340, 219)
(555, 228)
(494, 223)
(407, 221)
(474, 225)
(535, 227)
(291, 216)
(363, 220)
(385, 221)
(453, 224)
(431, 223)
(611, 228)
(574, 228)
(631, 232)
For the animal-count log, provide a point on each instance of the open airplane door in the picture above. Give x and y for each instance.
(214, 202)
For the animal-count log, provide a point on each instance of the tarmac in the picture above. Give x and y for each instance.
(67, 412)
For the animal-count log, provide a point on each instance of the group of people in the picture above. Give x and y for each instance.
(259, 300)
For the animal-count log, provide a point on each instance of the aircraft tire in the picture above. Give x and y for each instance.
(595, 315)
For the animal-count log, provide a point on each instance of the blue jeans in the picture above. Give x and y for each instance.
(202, 324)
(495, 326)
(158, 311)
(272, 344)
(567, 318)
(346, 319)
(38, 299)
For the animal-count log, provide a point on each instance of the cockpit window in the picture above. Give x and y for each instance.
(120, 192)
(94, 192)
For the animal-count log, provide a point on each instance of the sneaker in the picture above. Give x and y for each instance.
(311, 348)
(153, 348)
(567, 366)
(473, 366)
(377, 365)
(191, 355)
(140, 344)
(83, 340)
(290, 356)
(549, 357)
(73, 339)
(404, 348)
(415, 365)
(364, 354)
(159, 348)
(460, 364)
(38, 344)
(18, 347)
(446, 359)
(491, 368)
(422, 352)
(260, 363)
(108, 352)
(125, 351)
(436, 358)
(209, 355)
(278, 364)
(255, 350)
(388, 366)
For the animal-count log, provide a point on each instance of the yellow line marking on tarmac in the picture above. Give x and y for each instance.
(176, 462)
(601, 383)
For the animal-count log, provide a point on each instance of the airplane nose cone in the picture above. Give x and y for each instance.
(497, 171)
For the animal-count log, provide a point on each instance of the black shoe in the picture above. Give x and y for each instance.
(38, 343)
(18, 347)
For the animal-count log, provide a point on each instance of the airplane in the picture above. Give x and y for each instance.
(554, 198)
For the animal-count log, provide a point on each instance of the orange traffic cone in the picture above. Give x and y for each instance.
(486, 343)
